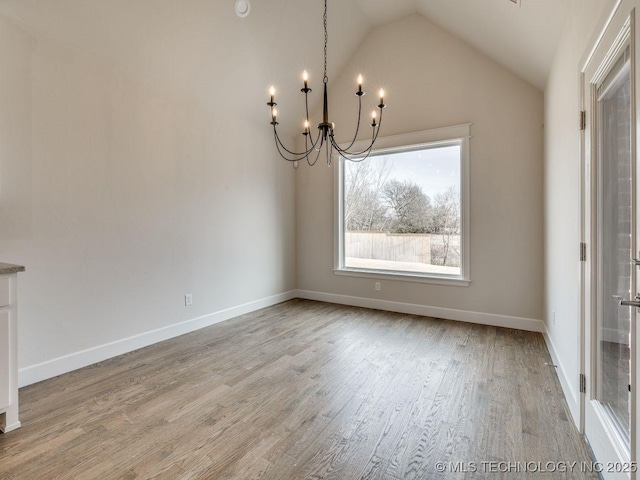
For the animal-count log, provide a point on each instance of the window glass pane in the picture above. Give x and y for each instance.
(616, 223)
(402, 212)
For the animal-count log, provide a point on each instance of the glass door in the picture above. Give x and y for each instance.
(612, 336)
(610, 300)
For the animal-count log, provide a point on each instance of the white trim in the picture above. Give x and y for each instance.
(567, 386)
(519, 323)
(605, 435)
(598, 36)
(432, 278)
(418, 139)
(73, 361)
(338, 215)
(618, 29)
(460, 134)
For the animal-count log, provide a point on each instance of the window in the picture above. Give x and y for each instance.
(402, 212)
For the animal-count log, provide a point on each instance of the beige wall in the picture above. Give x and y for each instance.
(121, 193)
(562, 191)
(117, 187)
(434, 80)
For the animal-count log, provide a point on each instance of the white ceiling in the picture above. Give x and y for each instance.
(195, 42)
(522, 38)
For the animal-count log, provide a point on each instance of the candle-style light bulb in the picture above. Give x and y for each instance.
(381, 96)
(360, 84)
(272, 92)
(274, 114)
(373, 119)
(306, 125)
(305, 77)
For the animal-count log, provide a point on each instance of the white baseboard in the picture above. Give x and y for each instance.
(83, 358)
(464, 316)
(68, 363)
(567, 385)
(518, 323)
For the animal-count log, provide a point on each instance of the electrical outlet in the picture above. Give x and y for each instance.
(188, 300)
(377, 286)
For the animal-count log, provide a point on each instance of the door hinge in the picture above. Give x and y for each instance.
(583, 383)
(583, 252)
(583, 120)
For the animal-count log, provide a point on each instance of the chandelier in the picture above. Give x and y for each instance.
(325, 136)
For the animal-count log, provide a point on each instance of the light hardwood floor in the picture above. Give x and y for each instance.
(303, 390)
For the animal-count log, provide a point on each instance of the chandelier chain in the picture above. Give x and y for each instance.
(326, 39)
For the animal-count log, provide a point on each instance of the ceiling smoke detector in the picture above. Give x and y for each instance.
(243, 7)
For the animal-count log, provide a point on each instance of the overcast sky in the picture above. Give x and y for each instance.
(434, 169)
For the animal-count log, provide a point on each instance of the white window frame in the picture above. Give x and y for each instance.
(460, 134)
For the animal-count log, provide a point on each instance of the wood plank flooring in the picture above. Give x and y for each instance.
(305, 390)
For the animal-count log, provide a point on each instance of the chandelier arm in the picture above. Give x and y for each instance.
(353, 156)
(355, 136)
(284, 157)
(306, 106)
(311, 164)
(373, 140)
(314, 144)
(366, 151)
(278, 141)
(307, 139)
(281, 147)
(319, 150)
(360, 159)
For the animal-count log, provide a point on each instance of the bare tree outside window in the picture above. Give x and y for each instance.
(446, 222)
(408, 206)
(364, 210)
(402, 211)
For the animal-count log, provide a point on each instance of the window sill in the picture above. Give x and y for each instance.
(402, 277)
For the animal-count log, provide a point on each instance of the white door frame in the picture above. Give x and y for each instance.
(623, 12)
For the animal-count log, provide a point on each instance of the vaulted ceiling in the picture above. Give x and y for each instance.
(199, 42)
(521, 35)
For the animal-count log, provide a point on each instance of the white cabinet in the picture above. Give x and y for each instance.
(9, 347)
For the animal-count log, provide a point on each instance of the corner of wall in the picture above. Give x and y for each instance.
(567, 386)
